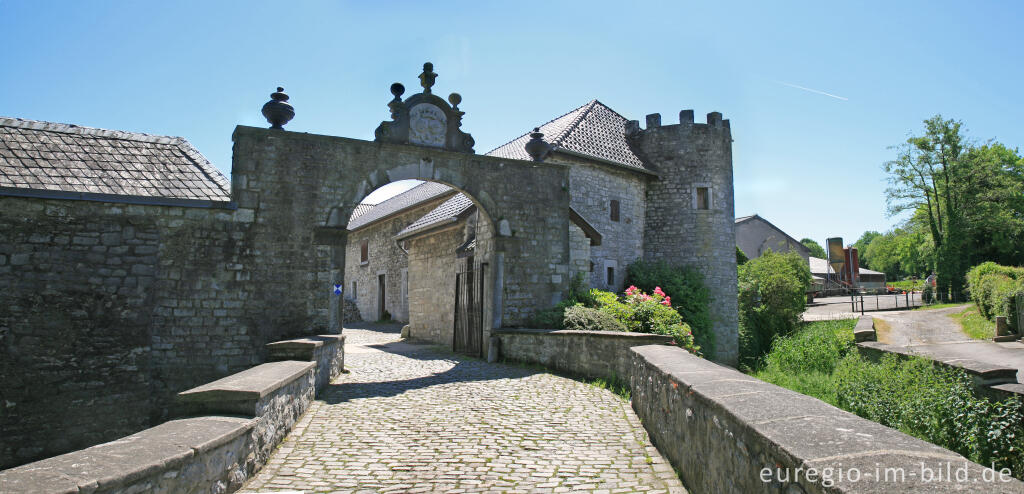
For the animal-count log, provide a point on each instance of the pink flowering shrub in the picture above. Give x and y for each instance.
(640, 312)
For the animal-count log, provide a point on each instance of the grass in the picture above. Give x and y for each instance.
(617, 386)
(907, 285)
(940, 306)
(911, 395)
(974, 325)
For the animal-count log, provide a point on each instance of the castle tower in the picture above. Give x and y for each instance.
(690, 217)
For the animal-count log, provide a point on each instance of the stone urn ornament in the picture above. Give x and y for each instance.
(277, 111)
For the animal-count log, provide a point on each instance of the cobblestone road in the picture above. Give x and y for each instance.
(413, 418)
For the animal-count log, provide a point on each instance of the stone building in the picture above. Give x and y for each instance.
(612, 181)
(131, 269)
(756, 235)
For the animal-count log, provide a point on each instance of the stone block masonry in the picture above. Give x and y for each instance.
(197, 455)
(680, 229)
(112, 308)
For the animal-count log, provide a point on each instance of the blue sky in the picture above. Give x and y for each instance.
(808, 162)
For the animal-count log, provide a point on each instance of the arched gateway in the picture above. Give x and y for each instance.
(302, 188)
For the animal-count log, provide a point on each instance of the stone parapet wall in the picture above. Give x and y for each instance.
(203, 454)
(583, 353)
(722, 429)
(328, 351)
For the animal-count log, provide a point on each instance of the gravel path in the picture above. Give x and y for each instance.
(414, 418)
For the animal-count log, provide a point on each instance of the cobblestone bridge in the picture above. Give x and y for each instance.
(413, 418)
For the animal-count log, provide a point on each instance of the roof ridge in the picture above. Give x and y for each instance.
(520, 136)
(24, 123)
(575, 123)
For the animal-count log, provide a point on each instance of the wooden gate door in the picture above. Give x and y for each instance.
(469, 327)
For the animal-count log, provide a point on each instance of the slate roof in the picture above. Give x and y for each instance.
(364, 214)
(54, 157)
(592, 130)
(448, 212)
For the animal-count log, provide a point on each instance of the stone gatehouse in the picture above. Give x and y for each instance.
(131, 269)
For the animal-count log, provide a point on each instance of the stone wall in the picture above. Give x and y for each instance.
(687, 156)
(432, 284)
(725, 431)
(384, 257)
(196, 455)
(579, 254)
(592, 187)
(584, 353)
(113, 308)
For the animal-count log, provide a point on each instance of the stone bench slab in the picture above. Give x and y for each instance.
(119, 463)
(251, 384)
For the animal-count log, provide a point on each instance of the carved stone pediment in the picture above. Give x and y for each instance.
(425, 119)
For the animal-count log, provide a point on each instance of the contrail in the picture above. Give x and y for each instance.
(830, 95)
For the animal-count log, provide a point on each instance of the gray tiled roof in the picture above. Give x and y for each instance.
(592, 130)
(416, 195)
(448, 212)
(67, 158)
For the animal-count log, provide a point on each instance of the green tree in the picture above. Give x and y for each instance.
(968, 198)
(772, 295)
(862, 247)
(816, 249)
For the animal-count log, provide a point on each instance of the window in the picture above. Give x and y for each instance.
(591, 266)
(354, 293)
(703, 198)
(615, 210)
(611, 277)
(364, 252)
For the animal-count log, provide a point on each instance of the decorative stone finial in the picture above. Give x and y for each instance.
(455, 99)
(397, 89)
(277, 111)
(536, 147)
(428, 77)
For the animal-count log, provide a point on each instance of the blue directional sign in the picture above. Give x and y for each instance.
(337, 289)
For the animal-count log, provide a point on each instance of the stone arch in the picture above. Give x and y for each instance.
(297, 187)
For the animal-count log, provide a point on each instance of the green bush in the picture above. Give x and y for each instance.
(554, 317)
(583, 318)
(935, 404)
(772, 295)
(741, 257)
(643, 313)
(994, 289)
(690, 297)
(914, 395)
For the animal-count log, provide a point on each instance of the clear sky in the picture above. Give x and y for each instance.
(815, 91)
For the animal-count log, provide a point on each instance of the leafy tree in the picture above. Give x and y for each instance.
(968, 198)
(816, 249)
(862, 247)
(772, 295)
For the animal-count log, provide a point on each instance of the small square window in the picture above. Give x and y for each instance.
(703, 200)
(364, 251)
(614, 210)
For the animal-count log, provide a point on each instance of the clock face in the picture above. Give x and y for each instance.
(428, 125)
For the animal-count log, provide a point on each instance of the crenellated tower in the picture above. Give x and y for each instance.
(690, 216)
